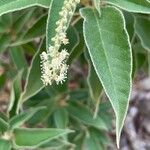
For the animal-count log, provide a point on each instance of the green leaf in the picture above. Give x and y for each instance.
(137, 6)
(95, 87)
(84, 115)
(3, 116)
(15, 94)
(129, 19)
(3, 28)
(110, 51)
(22, 20)
(18, 58)
(78, 49)
(3, 125)
(55, 144)
(5, 145)
(33, 138)
(92, 142)
(20, 119)
(53, 17)
(73, 39)
(5, 23)
(61, 117)
(33, 83)
(140, 57)
(78, 95)
(7, 6)
(7, 20)
(5, 42)
(35, 31)
(100, 138)
(105, 112)
(142, 29)
(43, 114)
(2, 80)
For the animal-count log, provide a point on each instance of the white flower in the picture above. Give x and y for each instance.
(64, 54)
(44, 56)
(63, 74)
(54, 69)
(53, 63)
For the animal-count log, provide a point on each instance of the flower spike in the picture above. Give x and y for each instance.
(53, 62)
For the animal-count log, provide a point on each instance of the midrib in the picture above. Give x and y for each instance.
(107, 59)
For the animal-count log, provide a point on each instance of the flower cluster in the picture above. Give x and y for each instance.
(54, 67)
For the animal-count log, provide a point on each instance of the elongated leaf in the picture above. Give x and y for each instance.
(33, 83)
(2, 81)
(37, 30)
(73, 39)
(100, 138)
(55, 144)
(3, 28)
(92, 142)
(95, 87)
(3, 125)
(137, 6)
(53, 17)
(129, 19)
(77, 51)
(140, 58)
(43, 114)
(5, 23)
(84, 115)
(15, 94)
(22, 20)
(110, 52)
(5, 41)
(61, 118)
(18, 58)
(32, 138)
(7, 20)
(5, 145)
(7, 6)
(78, 95)
(20, 119)
(105, 113)
(3, 116)
(142, 29)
